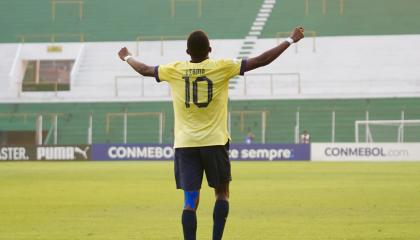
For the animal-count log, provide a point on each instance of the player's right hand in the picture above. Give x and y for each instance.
(297, 34)
(123, 53)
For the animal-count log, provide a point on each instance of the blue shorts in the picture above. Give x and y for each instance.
(191, 163)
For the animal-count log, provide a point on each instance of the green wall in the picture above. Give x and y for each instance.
(315, 116)
(124, 20)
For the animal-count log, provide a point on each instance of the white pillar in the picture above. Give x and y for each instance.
(356, 132)
(297, 126)
(263, 126)
(367, 127)
(56, 129)
(402, 126)
(333, 127)
(39, 130)
(90, 129)
(161, 127)
(125, 127)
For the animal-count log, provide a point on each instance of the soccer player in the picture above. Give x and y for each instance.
(305, 137)
(249, 138)
(199, 89)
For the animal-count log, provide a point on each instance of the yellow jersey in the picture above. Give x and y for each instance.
(200, 99)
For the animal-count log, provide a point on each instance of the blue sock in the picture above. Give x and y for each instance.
(220, 213)
(189, 224)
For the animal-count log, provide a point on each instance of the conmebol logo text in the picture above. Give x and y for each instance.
(365, 151)
(354, 151)
(133, 152)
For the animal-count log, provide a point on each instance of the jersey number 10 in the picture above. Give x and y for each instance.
(195, 91)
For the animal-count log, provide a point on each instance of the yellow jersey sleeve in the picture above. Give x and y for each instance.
(232, 67)
(167, 72)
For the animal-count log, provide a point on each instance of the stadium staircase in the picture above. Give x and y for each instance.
(252, 37)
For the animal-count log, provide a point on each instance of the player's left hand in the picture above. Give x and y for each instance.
(297, 34)
(123, 53)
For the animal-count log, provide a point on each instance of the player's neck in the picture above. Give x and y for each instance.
(199, 60)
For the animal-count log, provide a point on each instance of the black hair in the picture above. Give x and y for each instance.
(198, 44)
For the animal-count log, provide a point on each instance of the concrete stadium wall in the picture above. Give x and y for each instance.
(341, 67)
(315, 116)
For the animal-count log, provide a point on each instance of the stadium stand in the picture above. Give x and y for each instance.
(109, 20)
(327, 72)
(101, 62)
(361, 66)
(358, 17)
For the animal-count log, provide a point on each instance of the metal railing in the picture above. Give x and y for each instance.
(198, 2)
(50, 37)
(142, 88)
(162, 39)
(271, 75)
(38, 123)
(399, 124)
(243, 114)
(56, 88)
(55, 2)
(125, 115)
(324, 7)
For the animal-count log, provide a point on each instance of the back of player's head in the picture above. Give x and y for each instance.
(198, 44)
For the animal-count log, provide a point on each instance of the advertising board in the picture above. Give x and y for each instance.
(50, 153)
(244, 152)
(365, 152)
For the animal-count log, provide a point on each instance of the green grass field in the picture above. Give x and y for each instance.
(269, 200)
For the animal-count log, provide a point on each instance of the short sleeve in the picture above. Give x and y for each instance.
(165, 72)
(234, 67)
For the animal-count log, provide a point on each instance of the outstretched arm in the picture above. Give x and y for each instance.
(270, 55)
(138, 66)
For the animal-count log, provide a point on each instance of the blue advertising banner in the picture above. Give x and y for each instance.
(270, 152)
(242, 152)
(132, 152)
